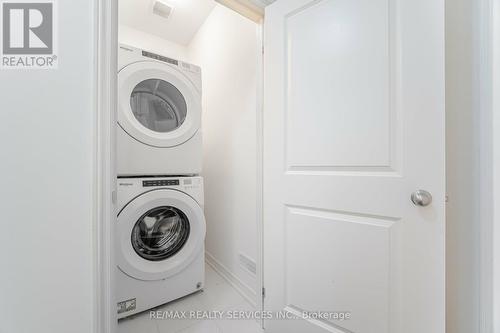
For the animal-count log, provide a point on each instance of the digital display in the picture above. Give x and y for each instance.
(160, 182)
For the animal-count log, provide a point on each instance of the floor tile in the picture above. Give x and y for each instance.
(212, 278)
(206, 326)
(140, 323)
(218, 295)
(239, 326)
(183, 305)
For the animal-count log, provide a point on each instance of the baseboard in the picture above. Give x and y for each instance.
(242, 288)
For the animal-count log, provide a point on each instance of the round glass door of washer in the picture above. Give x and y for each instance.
(160, 233)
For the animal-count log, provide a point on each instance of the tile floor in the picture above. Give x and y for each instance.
(218, 295)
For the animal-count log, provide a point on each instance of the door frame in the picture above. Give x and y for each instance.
(496, 166)
(104, 171)
(260, 170)
(489, 201)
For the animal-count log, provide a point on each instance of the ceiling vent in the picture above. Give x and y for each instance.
(162, 9)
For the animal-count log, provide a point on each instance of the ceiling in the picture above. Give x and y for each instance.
(180, 27)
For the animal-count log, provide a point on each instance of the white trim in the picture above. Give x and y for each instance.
(260, 171)
(248, 9)
(495, 110)
(242, 288)
(106, 36)
(485, 216)
(489, 33)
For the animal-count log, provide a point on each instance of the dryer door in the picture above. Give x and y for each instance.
(159, 234)
(158, 105)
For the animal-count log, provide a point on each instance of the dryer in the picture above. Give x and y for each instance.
(160, 238)
(159, 115)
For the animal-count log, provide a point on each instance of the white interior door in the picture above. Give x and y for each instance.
(353, 125)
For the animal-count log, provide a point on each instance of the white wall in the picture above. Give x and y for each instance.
(145, 41)
(46, 154)
(462, 121)
(226, 47)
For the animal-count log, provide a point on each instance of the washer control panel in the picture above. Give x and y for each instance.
(160, 182)
(130, 188)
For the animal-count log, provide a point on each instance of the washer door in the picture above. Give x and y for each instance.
(159, 234)
(158, 105)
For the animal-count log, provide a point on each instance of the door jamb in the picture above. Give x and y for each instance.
(489, 34)
(104, 193)
(495, 110)
(260, 170)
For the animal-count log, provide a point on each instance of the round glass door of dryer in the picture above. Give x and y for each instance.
(157, 104)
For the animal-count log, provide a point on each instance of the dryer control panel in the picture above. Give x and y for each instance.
(160, 182)
(160, 58)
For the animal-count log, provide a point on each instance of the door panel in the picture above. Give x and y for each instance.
(353, 124)
(347, 111)
(358, 247)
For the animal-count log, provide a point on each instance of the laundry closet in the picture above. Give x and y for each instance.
(189, 164)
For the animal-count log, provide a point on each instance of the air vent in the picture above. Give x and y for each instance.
(162, 9)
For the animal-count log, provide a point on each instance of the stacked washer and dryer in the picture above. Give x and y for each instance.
(161, 226)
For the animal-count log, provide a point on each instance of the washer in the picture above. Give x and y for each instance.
(160, 239)
(159, 115)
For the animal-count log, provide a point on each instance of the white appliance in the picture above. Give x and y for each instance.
(159, 115)
(160, 241)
